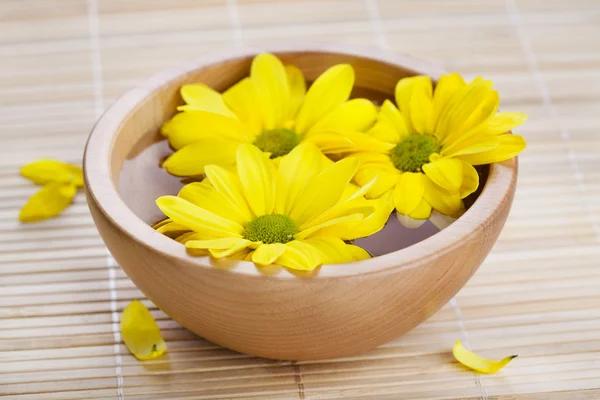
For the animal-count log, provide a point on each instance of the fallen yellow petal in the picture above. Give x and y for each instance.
(45, 171)
(477, 363)
(140, 332)
(50, 201)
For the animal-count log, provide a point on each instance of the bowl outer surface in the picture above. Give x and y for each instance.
(343, 310)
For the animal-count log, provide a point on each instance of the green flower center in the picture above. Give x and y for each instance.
(278, 142)
(271, 228)
(411, 153)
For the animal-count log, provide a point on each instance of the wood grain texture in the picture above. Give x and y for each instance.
(63, 62)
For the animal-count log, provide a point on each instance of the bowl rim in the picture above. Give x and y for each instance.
(101, 189)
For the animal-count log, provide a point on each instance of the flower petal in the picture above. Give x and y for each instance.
(356, 115)
(422, 212)
(446, 172)
(386, 178)
(242, 98)
(270, 80)
(314, 201)
(300, 256)
(141, 333)
(336, 251)
(405, 88)
(257, 176)
(206, 196)
(296, 170)
(316, 229)
(447, 87)
(48, 202)
(421, 107)
(266, 254)
(187, 127)
(200, 97)
(409, 191)
(198, 219)
(219, 248)
(45, 171)
(228, 185)
(445, 201)
(297, 84)
(509, 147)
(478, 363)
(409, 222)
(505, 122)
(328, 91)
(192, 159)
(470, 181)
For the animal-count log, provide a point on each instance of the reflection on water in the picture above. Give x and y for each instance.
(142, 181)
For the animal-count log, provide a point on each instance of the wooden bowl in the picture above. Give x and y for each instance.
(347, 308)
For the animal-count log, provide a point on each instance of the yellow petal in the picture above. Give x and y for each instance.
(476, 105)
(314, 200)
(187, 127)
(445, 201)
(45, 171)
(335, 226)
(356, 115)
(192, 159)
(506, 121)
(171, 227)
(447, 87)
(389, 112)
(386, 179)
(329, 90)
(405, 88)
(422, 211)
(409, 191)
(408, 221)
(141, 333)
(219, 248)
(48, 202)
(257, 176)
(297, 84)
(470, 181)
(206, 196)
(478, 363)
(200, 97)
(296, 170)
(446, 172)
(347, 142)
(510, 146)
(421, 107)
(198, 219)
(270, 80)
(228, 185)
(242, 98)
(267, 254)
(300, 256)
(336, 251)
(472, 145)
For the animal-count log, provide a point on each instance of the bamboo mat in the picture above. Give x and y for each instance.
(63, 62)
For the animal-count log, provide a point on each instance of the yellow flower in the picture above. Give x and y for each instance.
(434, 139)
(60, 182)
(270, 109)
(140, 332)
(297, 216)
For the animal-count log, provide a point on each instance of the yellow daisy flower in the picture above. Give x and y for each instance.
(270, 109)
(281, 216)
(434, 139)
(60, 180)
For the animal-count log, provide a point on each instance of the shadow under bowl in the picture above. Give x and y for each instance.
(343, 309)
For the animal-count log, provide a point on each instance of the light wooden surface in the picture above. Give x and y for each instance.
(342, 310)
(537, 294)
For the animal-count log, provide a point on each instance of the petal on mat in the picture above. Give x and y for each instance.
(45, 171)
(48, 202)
(476, 362)
(141, 333)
